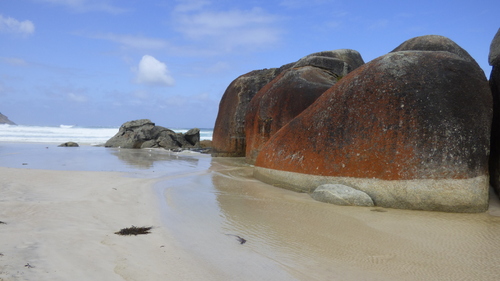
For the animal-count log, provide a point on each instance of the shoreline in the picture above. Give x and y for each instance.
(62, 224)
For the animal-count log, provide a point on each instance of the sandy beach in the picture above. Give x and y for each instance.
(61, 207)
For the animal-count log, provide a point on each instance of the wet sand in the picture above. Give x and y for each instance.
(289, 233)
(63, 222)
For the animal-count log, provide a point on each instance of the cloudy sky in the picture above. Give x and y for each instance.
(105, 62)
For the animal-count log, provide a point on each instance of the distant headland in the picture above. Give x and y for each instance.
(5, 120)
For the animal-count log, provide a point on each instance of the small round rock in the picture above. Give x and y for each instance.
(343, 195)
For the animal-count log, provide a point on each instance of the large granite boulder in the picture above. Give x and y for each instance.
(287, 95)
(494, 60)
(145, 134)
(5, 120)
(228, 139)
(411, 129)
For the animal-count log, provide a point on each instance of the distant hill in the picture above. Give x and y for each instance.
(5, 120)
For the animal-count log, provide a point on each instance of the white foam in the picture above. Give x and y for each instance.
(65, 133)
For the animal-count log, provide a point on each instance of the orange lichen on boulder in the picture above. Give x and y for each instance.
(406, 115)
(291, 92)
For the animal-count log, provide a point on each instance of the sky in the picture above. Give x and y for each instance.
(106, 62)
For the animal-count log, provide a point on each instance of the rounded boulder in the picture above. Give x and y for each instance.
(342, 195)
(411, 129)
(228, 139)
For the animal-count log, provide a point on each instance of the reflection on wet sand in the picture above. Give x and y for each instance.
(146, 158)
(88, 158)
(290, 236)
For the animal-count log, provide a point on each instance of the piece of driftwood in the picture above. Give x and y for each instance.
(134, 230)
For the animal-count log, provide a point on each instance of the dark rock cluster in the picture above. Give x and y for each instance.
(145, 134)
(69, 144)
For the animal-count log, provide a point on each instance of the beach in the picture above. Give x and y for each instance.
(61, 207)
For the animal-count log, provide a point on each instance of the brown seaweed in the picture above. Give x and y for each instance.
(134, 230)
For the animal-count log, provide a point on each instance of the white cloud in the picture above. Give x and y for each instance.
(299, 4)
(14, 61)
(88, 5)
(11, 25)
(135, 42)
(191, 5)
(228, 30)
(218, 67)
(175, 101)
(379, 24)
(3, 90)
(77, 98)
(141, 94)
(153, 72)
(206, 31)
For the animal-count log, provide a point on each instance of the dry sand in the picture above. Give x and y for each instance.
(59, 225)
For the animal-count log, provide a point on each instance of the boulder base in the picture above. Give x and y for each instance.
(445, 195)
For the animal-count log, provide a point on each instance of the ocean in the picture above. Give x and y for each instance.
(65, 133)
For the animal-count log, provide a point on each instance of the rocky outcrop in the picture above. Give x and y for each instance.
(411, 129)
(295, 89)
(342, 195)
(228, 138)
(5, 120)
(69, 144)
(193, 137)
(145, 134)
(494, 60)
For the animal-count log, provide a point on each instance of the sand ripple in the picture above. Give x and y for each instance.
(290, 236)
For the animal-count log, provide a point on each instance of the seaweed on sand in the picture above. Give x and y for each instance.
(134, 230)
(240, 239)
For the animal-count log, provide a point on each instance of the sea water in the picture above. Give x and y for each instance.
(65, 133)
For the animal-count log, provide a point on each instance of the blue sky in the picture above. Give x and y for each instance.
(105, 62)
